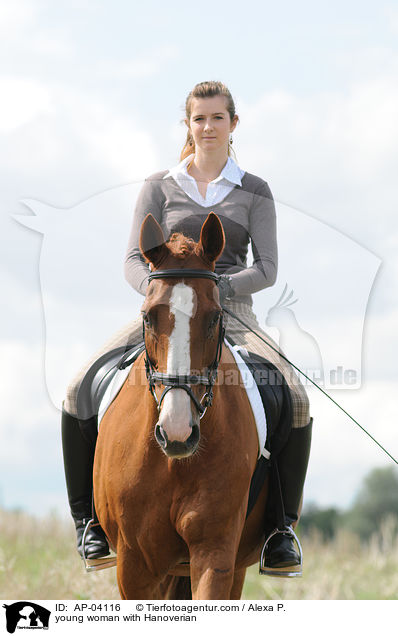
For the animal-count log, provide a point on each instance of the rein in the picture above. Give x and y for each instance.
(172, 381)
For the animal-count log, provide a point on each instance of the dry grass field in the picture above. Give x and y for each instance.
(38, 561)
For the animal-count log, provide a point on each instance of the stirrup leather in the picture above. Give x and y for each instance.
(92, 565)
(289, 571)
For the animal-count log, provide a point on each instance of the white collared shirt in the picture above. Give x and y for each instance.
(230, 176)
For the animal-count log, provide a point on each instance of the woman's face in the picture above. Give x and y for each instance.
(210, 123)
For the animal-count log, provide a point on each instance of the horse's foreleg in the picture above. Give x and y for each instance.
(211, 581)
(176, 588)
(219, 583)
(212, 572)
(237, 585)
(134, 579)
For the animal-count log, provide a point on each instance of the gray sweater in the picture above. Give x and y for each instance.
(247, 214)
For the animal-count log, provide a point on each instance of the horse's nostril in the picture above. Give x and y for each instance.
(176, 449)
(194, 436)
(161, 436)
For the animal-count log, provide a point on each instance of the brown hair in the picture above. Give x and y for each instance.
(205, 89)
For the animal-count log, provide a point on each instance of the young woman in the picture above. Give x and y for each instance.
(206, 179)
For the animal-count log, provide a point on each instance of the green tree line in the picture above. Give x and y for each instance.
(377, 500)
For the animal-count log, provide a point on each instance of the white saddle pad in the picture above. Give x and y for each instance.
(254, 398)
(248, 382)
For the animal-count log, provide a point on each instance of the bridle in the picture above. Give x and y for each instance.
(185, 381)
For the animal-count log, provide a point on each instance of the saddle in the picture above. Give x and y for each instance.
(99, 376)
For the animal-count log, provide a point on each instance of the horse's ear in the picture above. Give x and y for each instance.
(152, 241)
(212, 238)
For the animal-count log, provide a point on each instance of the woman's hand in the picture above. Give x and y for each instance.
(225, 288)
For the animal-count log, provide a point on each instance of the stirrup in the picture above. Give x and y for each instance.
(92, 565)
(289, 571)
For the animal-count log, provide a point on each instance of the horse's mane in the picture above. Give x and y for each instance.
(181, 246)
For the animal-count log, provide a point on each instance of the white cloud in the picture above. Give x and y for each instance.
(22, 100)
(391, 13)
(149, 63)
(70, 142)
(333, 151)
(16, 16)
(380, 340)
(128, 148)
(31, 473)
(44, 43)
(117, 140)
(341, 453)
(369, 126)
(25, 411)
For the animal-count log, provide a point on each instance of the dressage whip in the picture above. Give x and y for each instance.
(231, 313)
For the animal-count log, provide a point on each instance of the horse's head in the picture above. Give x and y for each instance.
(183, 329)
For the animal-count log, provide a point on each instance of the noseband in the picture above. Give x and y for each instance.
(185, 381)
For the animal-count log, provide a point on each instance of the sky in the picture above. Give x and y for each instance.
(92, 97)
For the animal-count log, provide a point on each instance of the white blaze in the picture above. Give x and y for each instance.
(175, 416)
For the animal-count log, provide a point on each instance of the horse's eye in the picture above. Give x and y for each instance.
(213, 322)
(146, 319)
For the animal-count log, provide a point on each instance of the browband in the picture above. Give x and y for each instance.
(184, 273)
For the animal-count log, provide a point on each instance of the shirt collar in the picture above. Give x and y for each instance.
(231, 171)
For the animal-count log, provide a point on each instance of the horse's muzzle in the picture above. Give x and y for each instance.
(175, 449)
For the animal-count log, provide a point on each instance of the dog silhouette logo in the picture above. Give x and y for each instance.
(26, 615)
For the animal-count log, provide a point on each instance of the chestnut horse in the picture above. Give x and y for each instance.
(173, 464)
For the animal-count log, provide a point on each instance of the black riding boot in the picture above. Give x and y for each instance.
(78, 452)
(292, 461)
